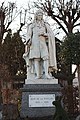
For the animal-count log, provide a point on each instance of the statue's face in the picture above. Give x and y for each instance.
(39, 16)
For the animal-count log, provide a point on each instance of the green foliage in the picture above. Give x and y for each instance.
(68, 54)
(6, 49)
(5, 75)
(11, 52)
(70, 49)
(18, 50)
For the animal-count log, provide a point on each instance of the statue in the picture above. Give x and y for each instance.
(40, 53)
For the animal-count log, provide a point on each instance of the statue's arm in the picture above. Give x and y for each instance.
(29, 34)
(50, 31)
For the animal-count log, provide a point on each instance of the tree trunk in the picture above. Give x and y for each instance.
(79, 84)
(70, 99)
(70, 91)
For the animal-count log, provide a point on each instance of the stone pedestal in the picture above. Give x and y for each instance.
(37, 98)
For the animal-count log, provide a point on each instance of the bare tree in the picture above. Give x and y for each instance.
(7, 16)
(65, 13)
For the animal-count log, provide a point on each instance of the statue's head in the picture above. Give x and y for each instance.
(39, 15)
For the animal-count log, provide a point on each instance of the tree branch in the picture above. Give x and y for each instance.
(53, 17)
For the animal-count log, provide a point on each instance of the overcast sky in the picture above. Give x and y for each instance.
(18, 2)
(23, 3)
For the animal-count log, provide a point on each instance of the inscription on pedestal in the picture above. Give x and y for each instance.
(41, 100)
(37, 100)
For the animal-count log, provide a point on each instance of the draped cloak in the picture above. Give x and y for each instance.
(51, 46)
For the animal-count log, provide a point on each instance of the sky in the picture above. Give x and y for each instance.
(22, 3)
(18, 2)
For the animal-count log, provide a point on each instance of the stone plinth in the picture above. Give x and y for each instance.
(41, 81)
(37, 98)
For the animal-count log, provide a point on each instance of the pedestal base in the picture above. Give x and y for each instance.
(41, 81)
(37, 99)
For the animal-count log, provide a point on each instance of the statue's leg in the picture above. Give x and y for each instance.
(37, 68)
(46, 66)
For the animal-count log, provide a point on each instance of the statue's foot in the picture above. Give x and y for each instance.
(37, 77)
(49, 77)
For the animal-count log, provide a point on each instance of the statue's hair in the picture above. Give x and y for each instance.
(36, 14)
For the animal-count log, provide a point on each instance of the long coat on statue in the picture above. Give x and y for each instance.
(40, 44)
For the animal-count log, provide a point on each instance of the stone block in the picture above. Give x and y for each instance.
(38, 93)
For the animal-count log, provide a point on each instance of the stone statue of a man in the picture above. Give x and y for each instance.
(40, 48)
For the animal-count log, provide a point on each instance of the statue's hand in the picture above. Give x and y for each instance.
(29, 43)
(44, 35)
